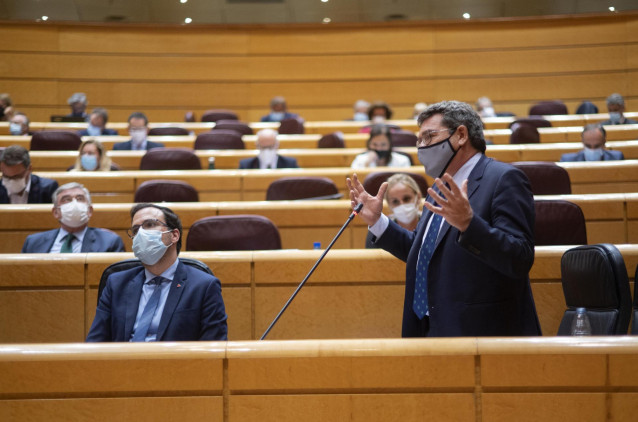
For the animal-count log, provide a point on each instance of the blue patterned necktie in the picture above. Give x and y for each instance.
(420, 302)
(149, 310)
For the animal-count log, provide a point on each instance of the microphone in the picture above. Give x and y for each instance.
(355, 211)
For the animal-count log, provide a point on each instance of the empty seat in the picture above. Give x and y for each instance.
(216, 115)
(292, 188)
(55, 140)
(373, 181)
(170, 159)
(594, 277)
(168, 131)
(219, 139)
(403, 138)
(332, 140)
(233, 233)
(235, 125)
(545, 178)
(291, 126)
(559, 222)
(525, 134)
(535, 121)
(548, 108)
(165, 191)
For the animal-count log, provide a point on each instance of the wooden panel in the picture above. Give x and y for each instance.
(555, 407)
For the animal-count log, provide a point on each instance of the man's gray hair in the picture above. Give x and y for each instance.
(616, 99)
(455, 114)
(14, 155)
(71, 185)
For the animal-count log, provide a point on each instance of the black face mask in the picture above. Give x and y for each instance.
(1, 112)
(383, 154)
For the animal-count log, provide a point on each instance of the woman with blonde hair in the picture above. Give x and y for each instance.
(92, 157)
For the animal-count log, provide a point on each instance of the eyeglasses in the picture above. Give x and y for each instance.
(150, 224)
(426, 137)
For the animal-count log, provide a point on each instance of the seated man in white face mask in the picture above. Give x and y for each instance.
(594, 137)
(267, 144)
(165, 299)
(19, 184)
(138, 129)
(72, 208)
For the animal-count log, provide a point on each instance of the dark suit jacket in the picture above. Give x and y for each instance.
(128, 145)
(41, 191)
(282, 163)
(194, 308)
(478, 282)
(608, 155)
(105, 132)
(95, 240)
(626, 121)
(287, 115)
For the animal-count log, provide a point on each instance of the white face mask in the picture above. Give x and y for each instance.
(378, 119)
(138, 136)
(267, 155)
(593, 154)
(74, 213)
(148, 246)
(359, 117)
(614, 116)
(14, 186)
(405, 213)
(15, 129)
(94, 130)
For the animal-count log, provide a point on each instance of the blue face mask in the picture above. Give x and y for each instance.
(148, 246)
(15, 129)
(89, 162)
(360, 117)
(593, 154)
(614, 116)
(94, 130)
(277, 116)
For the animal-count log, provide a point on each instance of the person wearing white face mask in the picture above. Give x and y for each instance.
(19, 184)
(594, 137)
(138, 129)
(278, 111)
(267, 145)
(164, 299)
(97, 124)
(616, 108)
(73, 209)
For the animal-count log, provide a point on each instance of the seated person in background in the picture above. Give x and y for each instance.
(404, 199)
(19, 124)
(587, 107)
(378, 113)
(72, 208)
(278, 111)
(6, 110)
(360, 111)
(92, 157)
(138, 129)
(19, 185)
(594, 138)
(485, 108)
(267, 144)
(78, 104)
(616, 107)
(165, 299)
(380, 152)
(97, 122)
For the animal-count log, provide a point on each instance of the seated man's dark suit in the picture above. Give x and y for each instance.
(608, 155)
(287, 115)
(128, 145)
(95, 240)
(478, 283)
(282, 163)
(194, 308)
(105, 132)
(41, 191)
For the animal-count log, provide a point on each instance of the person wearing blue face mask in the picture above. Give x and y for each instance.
(138, 129)
(97, 124)
(594, 138)
(19, 124)
(616, 107)
(92, 157)
(278, 111)
(164, 299)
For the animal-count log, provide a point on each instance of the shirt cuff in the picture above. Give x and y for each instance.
(378, 228)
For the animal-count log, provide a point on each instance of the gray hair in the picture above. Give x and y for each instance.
(616, 99)
(71, 185)
(594, 126)
(455, 114)
(14, 155)
(78, 97)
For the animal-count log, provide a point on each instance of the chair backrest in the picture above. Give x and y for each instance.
(170, 159)
(219, 139)
(293, 188)
(546, 178)
(594, 277)
(233, 233)
(403, 138)
(291, 126)
(535, 121)
(547, 108)
(216, 115)
(559, 222)
(332, 140)
(165, 191)
(373, 181)
(127, 264)
(235, 125)
(168, 131)
(525, 134)
(55, 140)
(634, 325)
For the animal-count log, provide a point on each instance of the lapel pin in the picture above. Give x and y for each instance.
(179, 285)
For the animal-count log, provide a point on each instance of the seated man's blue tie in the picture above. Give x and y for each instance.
(420, 302)
(149, 310)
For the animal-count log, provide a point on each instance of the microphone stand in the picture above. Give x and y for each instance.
(355, 211)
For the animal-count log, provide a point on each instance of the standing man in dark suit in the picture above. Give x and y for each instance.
(19, 184)
(165, 300)
(594, 137)
(97, 124)
(468, 260)
(267, 144)
(72, 208)
(138, 129)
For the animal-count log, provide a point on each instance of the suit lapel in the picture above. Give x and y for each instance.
(133, 294)
(89, 240)
(174, 294)
(49, 240)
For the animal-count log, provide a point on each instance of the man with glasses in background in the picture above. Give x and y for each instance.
(165, 299)
(468, 260)
(19, 184)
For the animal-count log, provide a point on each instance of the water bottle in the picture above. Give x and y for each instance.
(580, 323)
(211, 163)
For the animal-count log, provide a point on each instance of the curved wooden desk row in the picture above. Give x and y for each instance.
(611, 218)
(352, 294)
(462, 379)
(325, 157)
